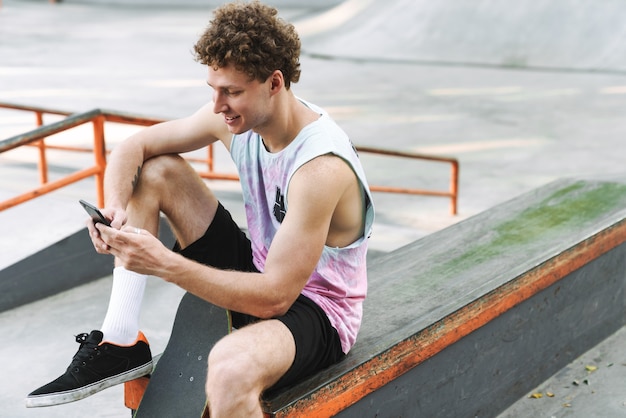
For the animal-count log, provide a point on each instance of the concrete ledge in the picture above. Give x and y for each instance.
(469, 319)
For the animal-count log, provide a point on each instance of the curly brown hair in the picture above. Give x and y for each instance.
(252, 38)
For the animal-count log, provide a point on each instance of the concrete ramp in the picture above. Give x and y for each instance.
(575, 35)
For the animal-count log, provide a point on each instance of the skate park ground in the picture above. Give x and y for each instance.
(512, 127)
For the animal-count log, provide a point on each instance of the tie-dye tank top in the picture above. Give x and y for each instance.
(339, 282)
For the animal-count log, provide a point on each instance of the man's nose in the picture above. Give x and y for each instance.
(219, 105)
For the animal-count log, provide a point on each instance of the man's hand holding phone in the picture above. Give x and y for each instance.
(136, 248)
(96, 217)
(94, 213)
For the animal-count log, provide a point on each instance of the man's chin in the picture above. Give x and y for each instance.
(236, 130)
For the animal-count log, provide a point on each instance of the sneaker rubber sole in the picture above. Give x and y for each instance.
(59, 398)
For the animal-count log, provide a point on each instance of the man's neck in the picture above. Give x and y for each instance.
(289, 119)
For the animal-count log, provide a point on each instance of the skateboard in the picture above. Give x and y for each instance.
(176, 387)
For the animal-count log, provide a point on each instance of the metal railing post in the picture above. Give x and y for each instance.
(209, 161)
(99, 153)
(454, 187)
(41, 145)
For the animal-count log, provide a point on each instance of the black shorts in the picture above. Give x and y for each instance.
(224, 245)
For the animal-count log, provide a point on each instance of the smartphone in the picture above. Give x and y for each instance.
(94, 212)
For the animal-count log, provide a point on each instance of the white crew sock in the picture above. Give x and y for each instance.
(121, 323)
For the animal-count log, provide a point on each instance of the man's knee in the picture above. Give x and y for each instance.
(231, 384)
(230, 369)
(161, 167)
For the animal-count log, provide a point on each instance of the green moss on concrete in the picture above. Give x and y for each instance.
(568, 209)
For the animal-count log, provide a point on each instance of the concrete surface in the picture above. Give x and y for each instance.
(569, 35)
(512, 130)
(591, 386)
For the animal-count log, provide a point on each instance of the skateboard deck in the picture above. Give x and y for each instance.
(176, 387)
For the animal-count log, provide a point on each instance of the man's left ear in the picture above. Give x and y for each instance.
(277, 81)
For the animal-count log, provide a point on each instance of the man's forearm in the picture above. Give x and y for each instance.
(122, 175)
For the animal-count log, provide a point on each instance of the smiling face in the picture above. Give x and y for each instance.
(244, 103)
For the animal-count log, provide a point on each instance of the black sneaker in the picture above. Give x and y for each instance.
(96, 366)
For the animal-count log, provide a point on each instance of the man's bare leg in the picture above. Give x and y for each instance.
(170, 185)
(167, 184)
(245, 363)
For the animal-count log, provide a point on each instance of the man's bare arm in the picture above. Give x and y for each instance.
(172, 137)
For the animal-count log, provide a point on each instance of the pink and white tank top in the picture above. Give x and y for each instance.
(339, 282)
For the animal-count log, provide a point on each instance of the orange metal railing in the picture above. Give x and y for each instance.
(98, 118)
(451, 193)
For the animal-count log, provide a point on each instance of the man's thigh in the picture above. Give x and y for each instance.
(316, 341)
(224, 245)
(168, 183)
(262, 352)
